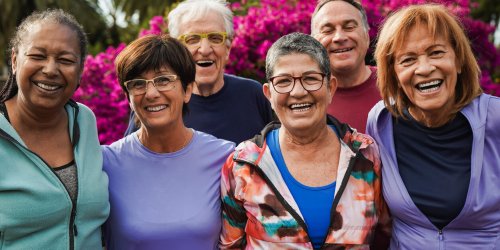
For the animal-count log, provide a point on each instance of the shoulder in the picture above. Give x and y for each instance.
(241, 82)
(118, 152)
(376, 112)
(118, 147)
(248, 151)
(208, 141)
(483, 109)
(366, 145)
(84, 112)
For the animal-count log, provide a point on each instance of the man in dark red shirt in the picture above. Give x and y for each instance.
(341, 26)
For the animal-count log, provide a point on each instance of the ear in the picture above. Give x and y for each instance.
(13, 60)
(188, 92)
(266, 89)
(130, 102)
(229, 50)
(332, 88)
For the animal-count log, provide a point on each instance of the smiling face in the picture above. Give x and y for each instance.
(426, 69)
(338, 26)
(47, 66)
(158, 110)
(299, 110)
(210, 59)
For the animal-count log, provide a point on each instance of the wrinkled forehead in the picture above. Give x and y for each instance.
(202, 22)
(436, 31)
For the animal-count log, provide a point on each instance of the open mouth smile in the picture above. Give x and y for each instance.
(156, 108)
(47, 87)
(341, 50)
(205, 63)
(300, 107)
(429, 86)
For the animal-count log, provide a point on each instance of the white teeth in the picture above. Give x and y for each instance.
(300, 106)
(46, 87)
(205, 61)
(156, 108)
(342, 50)
(429, 90)
(423, 85)
(429, 86)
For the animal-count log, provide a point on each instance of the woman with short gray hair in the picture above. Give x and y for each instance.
(306, 181)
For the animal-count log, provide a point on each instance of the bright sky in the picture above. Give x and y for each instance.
(107, 6)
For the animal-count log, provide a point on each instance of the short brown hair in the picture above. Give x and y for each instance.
(153, 52)
(440, 22)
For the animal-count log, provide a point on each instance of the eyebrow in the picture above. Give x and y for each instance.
(344, 22)
(409, 53)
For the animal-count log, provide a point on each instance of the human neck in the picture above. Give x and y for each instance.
(165, 140)
(431, 119)
(299, 139)
(208, 89)
(34, 119)
(352, 78)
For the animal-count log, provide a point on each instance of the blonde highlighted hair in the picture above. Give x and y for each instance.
(440, 23)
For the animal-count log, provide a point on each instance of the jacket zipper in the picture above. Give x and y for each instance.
(289, 208)
(72, 226)
(441, 238)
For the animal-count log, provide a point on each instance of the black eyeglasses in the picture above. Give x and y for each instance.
(161, 83)
(285, 83)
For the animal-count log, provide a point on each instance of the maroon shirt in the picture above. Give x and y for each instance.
(351, 105)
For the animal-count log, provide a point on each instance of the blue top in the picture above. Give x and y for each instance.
(435, 164)
(168, 200)
(314, 203)
(235, 113)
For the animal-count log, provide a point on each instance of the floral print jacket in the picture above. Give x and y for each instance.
(259, 211)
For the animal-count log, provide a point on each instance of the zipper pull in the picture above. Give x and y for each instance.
(440, 236)
(75, 230)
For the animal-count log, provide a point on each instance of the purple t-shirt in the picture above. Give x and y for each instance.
(164, 201)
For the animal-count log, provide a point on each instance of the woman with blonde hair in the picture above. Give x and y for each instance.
(437, 133)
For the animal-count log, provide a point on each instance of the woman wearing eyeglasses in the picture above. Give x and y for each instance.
(307, 181)
(164, 179)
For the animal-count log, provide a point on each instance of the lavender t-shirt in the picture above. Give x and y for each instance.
(164, 201)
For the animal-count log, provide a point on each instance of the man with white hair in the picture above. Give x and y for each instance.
(226, 106)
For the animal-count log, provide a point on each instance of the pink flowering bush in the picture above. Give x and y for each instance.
(256, 28)
(100, 91)
(264, 24)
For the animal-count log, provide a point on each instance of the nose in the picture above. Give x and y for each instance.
(151, 91)
(50, 68)
(205, 47)
(424, 66)
(339, 36)
(298, 89)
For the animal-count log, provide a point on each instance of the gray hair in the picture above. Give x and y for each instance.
(354, 3)
(297, 43)
(53, 15)
(193, 9)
